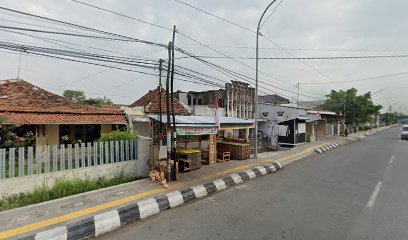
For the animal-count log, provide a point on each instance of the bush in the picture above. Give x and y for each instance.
(62, 188)
(119, 135)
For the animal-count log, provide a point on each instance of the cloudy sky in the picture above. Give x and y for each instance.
(305, 28)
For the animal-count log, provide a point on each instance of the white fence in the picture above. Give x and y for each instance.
(27, 161)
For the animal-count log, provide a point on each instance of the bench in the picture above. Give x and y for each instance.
(223, 153)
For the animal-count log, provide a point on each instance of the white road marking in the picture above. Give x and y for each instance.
(392, 159)
(371, 202)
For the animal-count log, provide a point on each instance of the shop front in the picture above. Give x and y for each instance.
(200, 141)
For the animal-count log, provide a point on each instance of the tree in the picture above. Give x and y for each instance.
(12, 135)
(75, 95)
(357, 108)
(99, 102)
(80, 97)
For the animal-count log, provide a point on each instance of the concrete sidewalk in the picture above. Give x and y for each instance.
(30, 219)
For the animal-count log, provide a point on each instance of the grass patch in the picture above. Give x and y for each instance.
(62, 188)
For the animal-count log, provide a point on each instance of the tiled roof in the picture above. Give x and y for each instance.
(150, 102)
(23, 101)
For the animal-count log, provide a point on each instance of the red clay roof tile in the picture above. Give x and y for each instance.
(23, 101)
(150, 102)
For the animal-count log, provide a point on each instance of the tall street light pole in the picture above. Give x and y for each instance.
(256, 78)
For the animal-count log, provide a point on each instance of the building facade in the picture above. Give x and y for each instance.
(240, 100)
(236, 100)
(53, 119)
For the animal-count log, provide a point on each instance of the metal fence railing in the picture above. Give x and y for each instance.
(27, 161)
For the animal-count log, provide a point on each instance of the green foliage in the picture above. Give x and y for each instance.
(75, 95)
(358, 108)
(119, 135)
(80, 97)
(98, 102)
(62, 188)
(390, 117)
(12, 135)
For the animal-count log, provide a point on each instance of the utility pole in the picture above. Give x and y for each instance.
(168, 125)
(174, 144)
(19, 64)
(160, 103)
(354, 115)
(298, 91)
(256, 77)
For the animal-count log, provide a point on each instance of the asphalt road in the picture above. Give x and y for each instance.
(359, 191)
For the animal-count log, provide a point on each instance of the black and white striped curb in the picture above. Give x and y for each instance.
(327, 148)
(108, 221)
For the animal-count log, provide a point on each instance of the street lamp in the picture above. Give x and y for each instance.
(256, 78)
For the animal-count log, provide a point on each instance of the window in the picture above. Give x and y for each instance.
(220, 102)
(189, 100)
(79, 133)
(200, 101)
(92, 132)
(194, 101)
(83, 133)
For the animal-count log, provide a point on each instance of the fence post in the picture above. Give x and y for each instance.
(117, 151)
(112, 157)
(127, 150)
(62, 146)
(136, 150)
(21, 153)
(89, 149)
(83, 155)
(69, 156)
(95, 158)
(30, 161)
(132, 153)
(2, 163)
(47, 158)
(122, 151)
(54, 158)
(76, 150)
(12, 158)
(106, 152)
(101, 153)
(38, 159)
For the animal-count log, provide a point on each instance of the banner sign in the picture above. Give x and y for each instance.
(196, 131)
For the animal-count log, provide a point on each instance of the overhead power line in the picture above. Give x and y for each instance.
(99, 32)
(265, 37)
(272, 12)
(299, 49)
(180, 33)
(361, 79)
(308, 58)
(213, 15)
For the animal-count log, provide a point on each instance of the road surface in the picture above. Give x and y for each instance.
(359, 191)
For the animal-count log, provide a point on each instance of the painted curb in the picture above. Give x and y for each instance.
(327, 148)
(105, 222)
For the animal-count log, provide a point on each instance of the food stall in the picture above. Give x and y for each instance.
(234, 135)
(196, 141)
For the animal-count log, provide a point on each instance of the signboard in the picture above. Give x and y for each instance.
(212, 153)
(188, 131)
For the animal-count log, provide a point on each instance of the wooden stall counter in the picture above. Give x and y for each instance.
(190, 157)
(239, 151)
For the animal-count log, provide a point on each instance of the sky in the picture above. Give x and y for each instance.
(303, 28)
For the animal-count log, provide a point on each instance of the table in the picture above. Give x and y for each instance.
(192, 155)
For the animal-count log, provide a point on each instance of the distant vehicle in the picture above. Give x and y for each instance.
(404, 132)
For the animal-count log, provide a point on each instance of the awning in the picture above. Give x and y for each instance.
(189, 125)
(199, 125)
